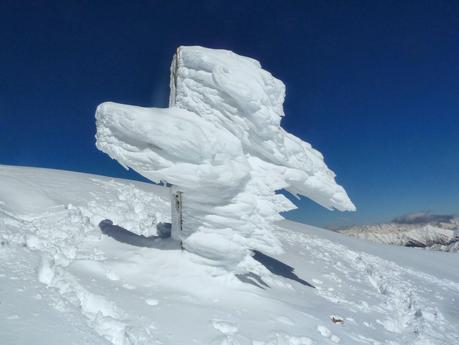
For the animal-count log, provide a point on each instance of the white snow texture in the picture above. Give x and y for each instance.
(66, 278)
(221, 144)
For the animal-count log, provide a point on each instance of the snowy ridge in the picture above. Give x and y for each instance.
(442, 236)
(221, 144)
(67, 278)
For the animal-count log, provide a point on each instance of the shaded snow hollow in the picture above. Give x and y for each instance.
(221, 143)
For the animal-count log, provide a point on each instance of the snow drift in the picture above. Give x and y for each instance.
(220, 143)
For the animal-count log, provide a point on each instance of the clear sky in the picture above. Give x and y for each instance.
(373, 85)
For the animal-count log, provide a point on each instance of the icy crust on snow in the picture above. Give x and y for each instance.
(221, 144)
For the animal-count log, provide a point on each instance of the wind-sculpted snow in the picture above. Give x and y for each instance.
(221, 144)
(235, 93)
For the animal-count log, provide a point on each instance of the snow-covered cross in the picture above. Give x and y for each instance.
(220, 144)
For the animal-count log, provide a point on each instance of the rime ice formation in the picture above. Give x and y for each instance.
(220, 143)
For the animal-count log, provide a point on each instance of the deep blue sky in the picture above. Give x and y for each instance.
(374, 85)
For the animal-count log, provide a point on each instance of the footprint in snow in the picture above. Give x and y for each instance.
(285, 320)
(13, 317)
(129, 286)
(317, 281)
(229, 334)
(112, 276)
(151, 301)
(225, 327)
(325, 332)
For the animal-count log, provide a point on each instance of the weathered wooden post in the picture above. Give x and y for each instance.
(176, 213)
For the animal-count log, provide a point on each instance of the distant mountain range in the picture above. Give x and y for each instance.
(436, 235)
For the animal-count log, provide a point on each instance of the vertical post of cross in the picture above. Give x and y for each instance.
(176, 213)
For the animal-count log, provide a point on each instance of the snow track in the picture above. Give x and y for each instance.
(59, 236)
(56, 236)
(42, 314)
(408, 299)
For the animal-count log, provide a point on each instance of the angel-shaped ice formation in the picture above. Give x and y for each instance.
(221, 145)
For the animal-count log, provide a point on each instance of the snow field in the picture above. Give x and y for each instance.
(91, 287)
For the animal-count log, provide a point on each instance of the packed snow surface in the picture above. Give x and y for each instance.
(220, 143)
(71, 273)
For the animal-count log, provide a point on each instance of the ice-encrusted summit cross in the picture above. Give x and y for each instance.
(220, 143)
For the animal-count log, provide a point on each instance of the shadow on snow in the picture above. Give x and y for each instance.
(122, 235)
(273, 265)
(278, 267)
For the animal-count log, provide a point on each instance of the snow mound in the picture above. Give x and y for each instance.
(220, 143)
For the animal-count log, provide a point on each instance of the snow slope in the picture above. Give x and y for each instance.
(69, 275)
(221, 143)
(443, 237)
